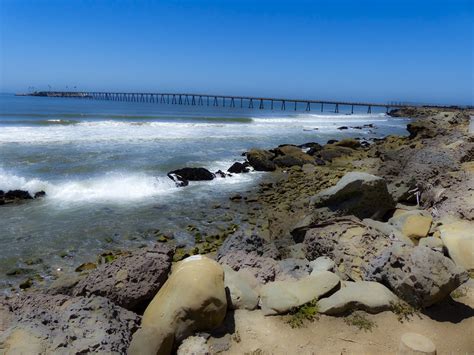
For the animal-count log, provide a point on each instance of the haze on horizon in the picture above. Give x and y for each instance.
(415, 51)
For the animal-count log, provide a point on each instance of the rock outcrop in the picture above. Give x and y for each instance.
(458, 237)
(131, 281)
(418, 275)
(359, 194)
(261, 160)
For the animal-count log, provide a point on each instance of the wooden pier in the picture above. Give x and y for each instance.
(250, 102)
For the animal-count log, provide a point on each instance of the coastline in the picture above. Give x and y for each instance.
(432, 166)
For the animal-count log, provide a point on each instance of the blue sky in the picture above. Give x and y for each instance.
(379, 50)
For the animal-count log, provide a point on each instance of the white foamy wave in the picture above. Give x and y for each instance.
(110, 187)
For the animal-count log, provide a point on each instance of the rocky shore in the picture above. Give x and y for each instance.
(353, 246)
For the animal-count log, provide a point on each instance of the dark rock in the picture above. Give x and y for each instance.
(17, 195)
(264, 269)
(331, 141)
(40, 194)
(342, 128)
(359, 194)
(290, 155)
(424, 129)
(330, 152)
(191, 174)
(77, 325)
(310, 145)
(348, 143)
(221, 174)
(261, 160)
(130, 281)
(240, 241)
(418, 275)
(238, 168)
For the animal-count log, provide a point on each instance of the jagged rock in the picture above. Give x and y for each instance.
(130, 281)
(416, 344)
(280, 296)
(240, 241)
(238, 168)
(263, 268)
(191, 174)
(458, 237)
(371, 297)
(242, 288)
(192, 299)
(322, 263)
(40, 194)
(261, 160)
(388, 230)
(418, 275)
(360, 194)
(80, 324)
(350, 243)
(412, 224)
(331, 152)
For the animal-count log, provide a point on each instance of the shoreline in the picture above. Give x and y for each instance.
(281, 205)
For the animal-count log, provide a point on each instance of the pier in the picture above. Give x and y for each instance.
(251, 102)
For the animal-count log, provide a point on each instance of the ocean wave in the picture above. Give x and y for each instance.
(109, 187)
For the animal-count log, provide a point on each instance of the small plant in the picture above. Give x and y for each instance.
(302, 314)
(360, 321)
(403, 311)
(459, 292)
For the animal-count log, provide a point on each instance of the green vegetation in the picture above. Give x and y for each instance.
(360, 321)
(403, 311)
(306, 313)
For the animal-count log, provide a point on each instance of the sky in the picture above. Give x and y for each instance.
(378, 50)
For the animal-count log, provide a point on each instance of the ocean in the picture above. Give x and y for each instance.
(103, 167)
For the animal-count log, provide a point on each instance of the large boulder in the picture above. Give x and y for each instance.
(360, 194)
(131, 281)
(368, 296)
(261, 160)
(418, 275)
(289, 155)
(331, 152)
(60, 323)
(348, 242)
(458, 237)
(281, 296)
(192, 299)
(238, 168)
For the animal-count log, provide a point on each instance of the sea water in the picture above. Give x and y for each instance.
(103, 167)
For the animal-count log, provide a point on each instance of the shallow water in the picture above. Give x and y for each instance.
(103, 166)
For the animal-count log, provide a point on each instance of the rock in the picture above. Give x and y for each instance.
(23, 341)
(131, 281)
(281, 296)
(240, 241)
(458, 237)
(415, 344)
(64, 284)
(423, 129)
(348, 242)
(294, 268)
(342, 128)
(242, 289)
(194, 345)
(238, 168)
(17, 195)
(179, 182)
(191, 174)
(412, 224)
(360, 194)
(40, 194)
(323, 263)
(261, 160)
(331, 152)
(371, 297)
(431, 242)
(192, 299)
(312, 148)
(388, 230)
(84, 325)
(264, 269)
(221, 174)
(348, 143)
(85, 267)
(288, 156)
(418, 275)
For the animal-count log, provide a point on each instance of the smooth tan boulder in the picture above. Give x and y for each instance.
(458, 237)
(21, 342)
(413, 224)
(242, 288)
(192, 299)
(415, 344)
(280, 296)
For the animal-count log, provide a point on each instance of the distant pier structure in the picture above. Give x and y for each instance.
(229, 101)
